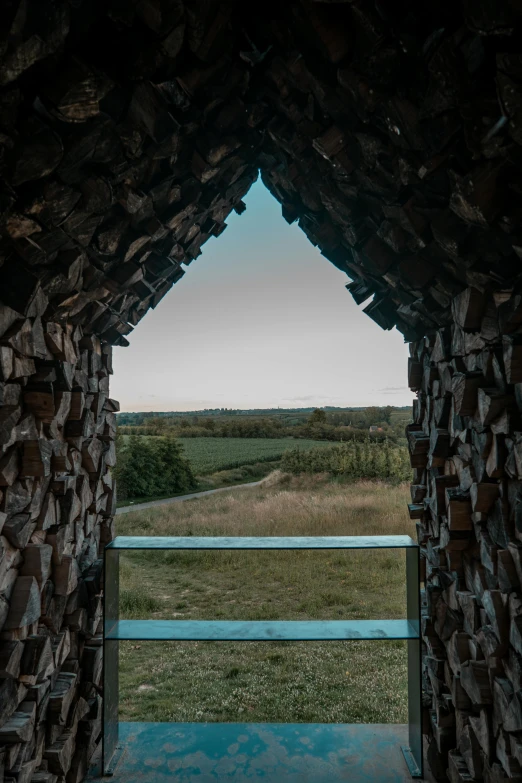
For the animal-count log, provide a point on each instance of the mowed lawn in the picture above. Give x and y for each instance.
(278, 681)
(208, 455)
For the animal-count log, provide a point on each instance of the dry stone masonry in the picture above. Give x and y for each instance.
(129, 131)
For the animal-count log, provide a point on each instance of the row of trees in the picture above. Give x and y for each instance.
(319, 425)
(354, 459)
(361, 419)
(151, 467)
(336, 415)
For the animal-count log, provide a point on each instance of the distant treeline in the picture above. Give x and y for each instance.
(140, 418)
(319, 425)
(354, 459)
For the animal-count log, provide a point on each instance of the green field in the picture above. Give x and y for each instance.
(208, 455)
(339, 682)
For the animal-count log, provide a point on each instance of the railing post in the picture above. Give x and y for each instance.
(110, 660)
(413, 754)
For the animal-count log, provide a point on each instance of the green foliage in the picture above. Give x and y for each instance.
(301, 414)
(176, 471)
(324, 424)
(353, 459)
(263, 429)
(199, 427)
(151, 466)
(208, 455)
(317, 417)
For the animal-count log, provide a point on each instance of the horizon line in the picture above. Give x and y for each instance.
(271, 408)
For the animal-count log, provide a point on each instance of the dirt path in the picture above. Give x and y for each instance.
(180, 498)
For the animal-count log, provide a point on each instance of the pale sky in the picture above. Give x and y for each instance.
(260, 319)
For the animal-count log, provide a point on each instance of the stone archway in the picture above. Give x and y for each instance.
(392, 133)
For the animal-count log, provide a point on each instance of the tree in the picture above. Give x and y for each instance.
(387, 413)
(175, 471)
(157, 422)
(317, 417)
(152, 466)
(136, 468)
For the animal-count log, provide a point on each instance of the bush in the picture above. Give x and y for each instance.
(352, 459)
(148, 467)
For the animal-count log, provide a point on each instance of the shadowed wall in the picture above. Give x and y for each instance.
(129, 132)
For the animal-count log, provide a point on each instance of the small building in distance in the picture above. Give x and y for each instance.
(375, 428)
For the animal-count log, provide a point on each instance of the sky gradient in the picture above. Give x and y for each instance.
(260, 319)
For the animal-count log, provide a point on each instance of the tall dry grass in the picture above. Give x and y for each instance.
(281, 506)
(351, 682)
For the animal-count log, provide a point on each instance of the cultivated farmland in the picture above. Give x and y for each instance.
(208, 455)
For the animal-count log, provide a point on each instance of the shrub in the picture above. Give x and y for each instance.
(353, 459)
(148, 467)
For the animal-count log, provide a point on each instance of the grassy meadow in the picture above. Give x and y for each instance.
(278, 681)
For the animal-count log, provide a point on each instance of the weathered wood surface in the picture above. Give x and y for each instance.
(56, 505)
(392, 142)
(471, 537)
(391, 133)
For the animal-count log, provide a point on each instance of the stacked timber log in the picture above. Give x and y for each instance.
(130, 134)
(391, 133)
(466, 452)
(57, 497)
